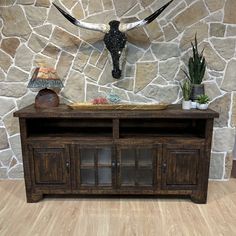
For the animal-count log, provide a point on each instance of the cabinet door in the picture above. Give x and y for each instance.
(94, 166)
(50, 165)
(181, 166)
(136, 166)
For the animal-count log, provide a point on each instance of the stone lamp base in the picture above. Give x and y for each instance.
(46, 98)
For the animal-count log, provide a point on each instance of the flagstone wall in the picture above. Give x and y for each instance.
(34, 33)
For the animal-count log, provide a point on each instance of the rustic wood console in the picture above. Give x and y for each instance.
(116, 152)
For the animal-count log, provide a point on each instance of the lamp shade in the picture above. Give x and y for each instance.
(45, 78)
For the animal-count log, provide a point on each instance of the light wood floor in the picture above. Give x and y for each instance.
(117, 217)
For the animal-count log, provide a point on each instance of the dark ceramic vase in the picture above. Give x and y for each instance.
(197, 89)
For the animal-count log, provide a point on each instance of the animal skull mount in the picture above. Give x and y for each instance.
(115, 38)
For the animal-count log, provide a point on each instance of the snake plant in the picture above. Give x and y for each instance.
(186, 89)
(196, 65)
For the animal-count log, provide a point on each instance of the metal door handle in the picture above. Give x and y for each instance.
(68, 166)
(164, 168)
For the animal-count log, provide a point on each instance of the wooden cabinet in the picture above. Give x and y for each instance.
(116, 152)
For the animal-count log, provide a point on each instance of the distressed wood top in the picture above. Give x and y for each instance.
(63, 111)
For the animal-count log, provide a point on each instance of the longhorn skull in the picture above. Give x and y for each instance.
(115, 38)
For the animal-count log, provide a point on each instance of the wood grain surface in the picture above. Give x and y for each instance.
(117, 217)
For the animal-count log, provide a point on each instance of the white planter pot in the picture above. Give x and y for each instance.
(194, 105)
(202, 106)
(186, 105)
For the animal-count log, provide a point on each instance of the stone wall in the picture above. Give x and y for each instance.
(33, 32)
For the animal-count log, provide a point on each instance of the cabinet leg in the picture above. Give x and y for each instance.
(199, 198)
(33, 197)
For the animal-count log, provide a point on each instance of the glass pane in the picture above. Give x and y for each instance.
(87, 156)
(104, 156)
(145, 157)
(104, 176)
(144, 177)
(127, 176)
(128, 157)
(87, 177)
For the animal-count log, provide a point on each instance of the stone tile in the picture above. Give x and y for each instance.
(214, 62)
(164, 51)
(139, 38)
(74, 87)
(231, 30)
(9, 45)
(7, 3)
(37, 43)
(217, 29)
(135, 98)
(106, 77)
(5, 157)
(11, 123)
(17, 75)
(168, 69)
(16, 172)
(229, 82)
(78, 11)
(160, 81)
(175, 10)
(42, 3)
(24, 58)
(44, 30)
(82, 57)
(35, 15)
(92, 91)
(107, 4)
(15, 143)
(233, 116)
(133, 11)
(95, 6)
(167, 94)
(94, 57)
(15, 23)
(66, 41)
(225, 47)
(148, 56)
(221, 105)
(3, 139)
(141, 78)
(121, 93)
(215, 17)
(7, 104)
(5, 61)
(56, 18)
(229, 12)
(214, 5)
(130, 70)
(123, 6)
(191, 15)
(26, 100)
(189, 34)
(2, 75)
(25, 2)
(216, 166)
(92, 72)
(51, 51)
(64, 65)
(11, 89)
(228, 165)
(169, 32)
(223, 139)
(212, 90)
(134, 54)
(126, 84)
(69, 3)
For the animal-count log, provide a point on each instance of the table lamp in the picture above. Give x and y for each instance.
(45, 78)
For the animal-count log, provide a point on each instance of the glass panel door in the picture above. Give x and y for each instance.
(137, 166)
(95, 166)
